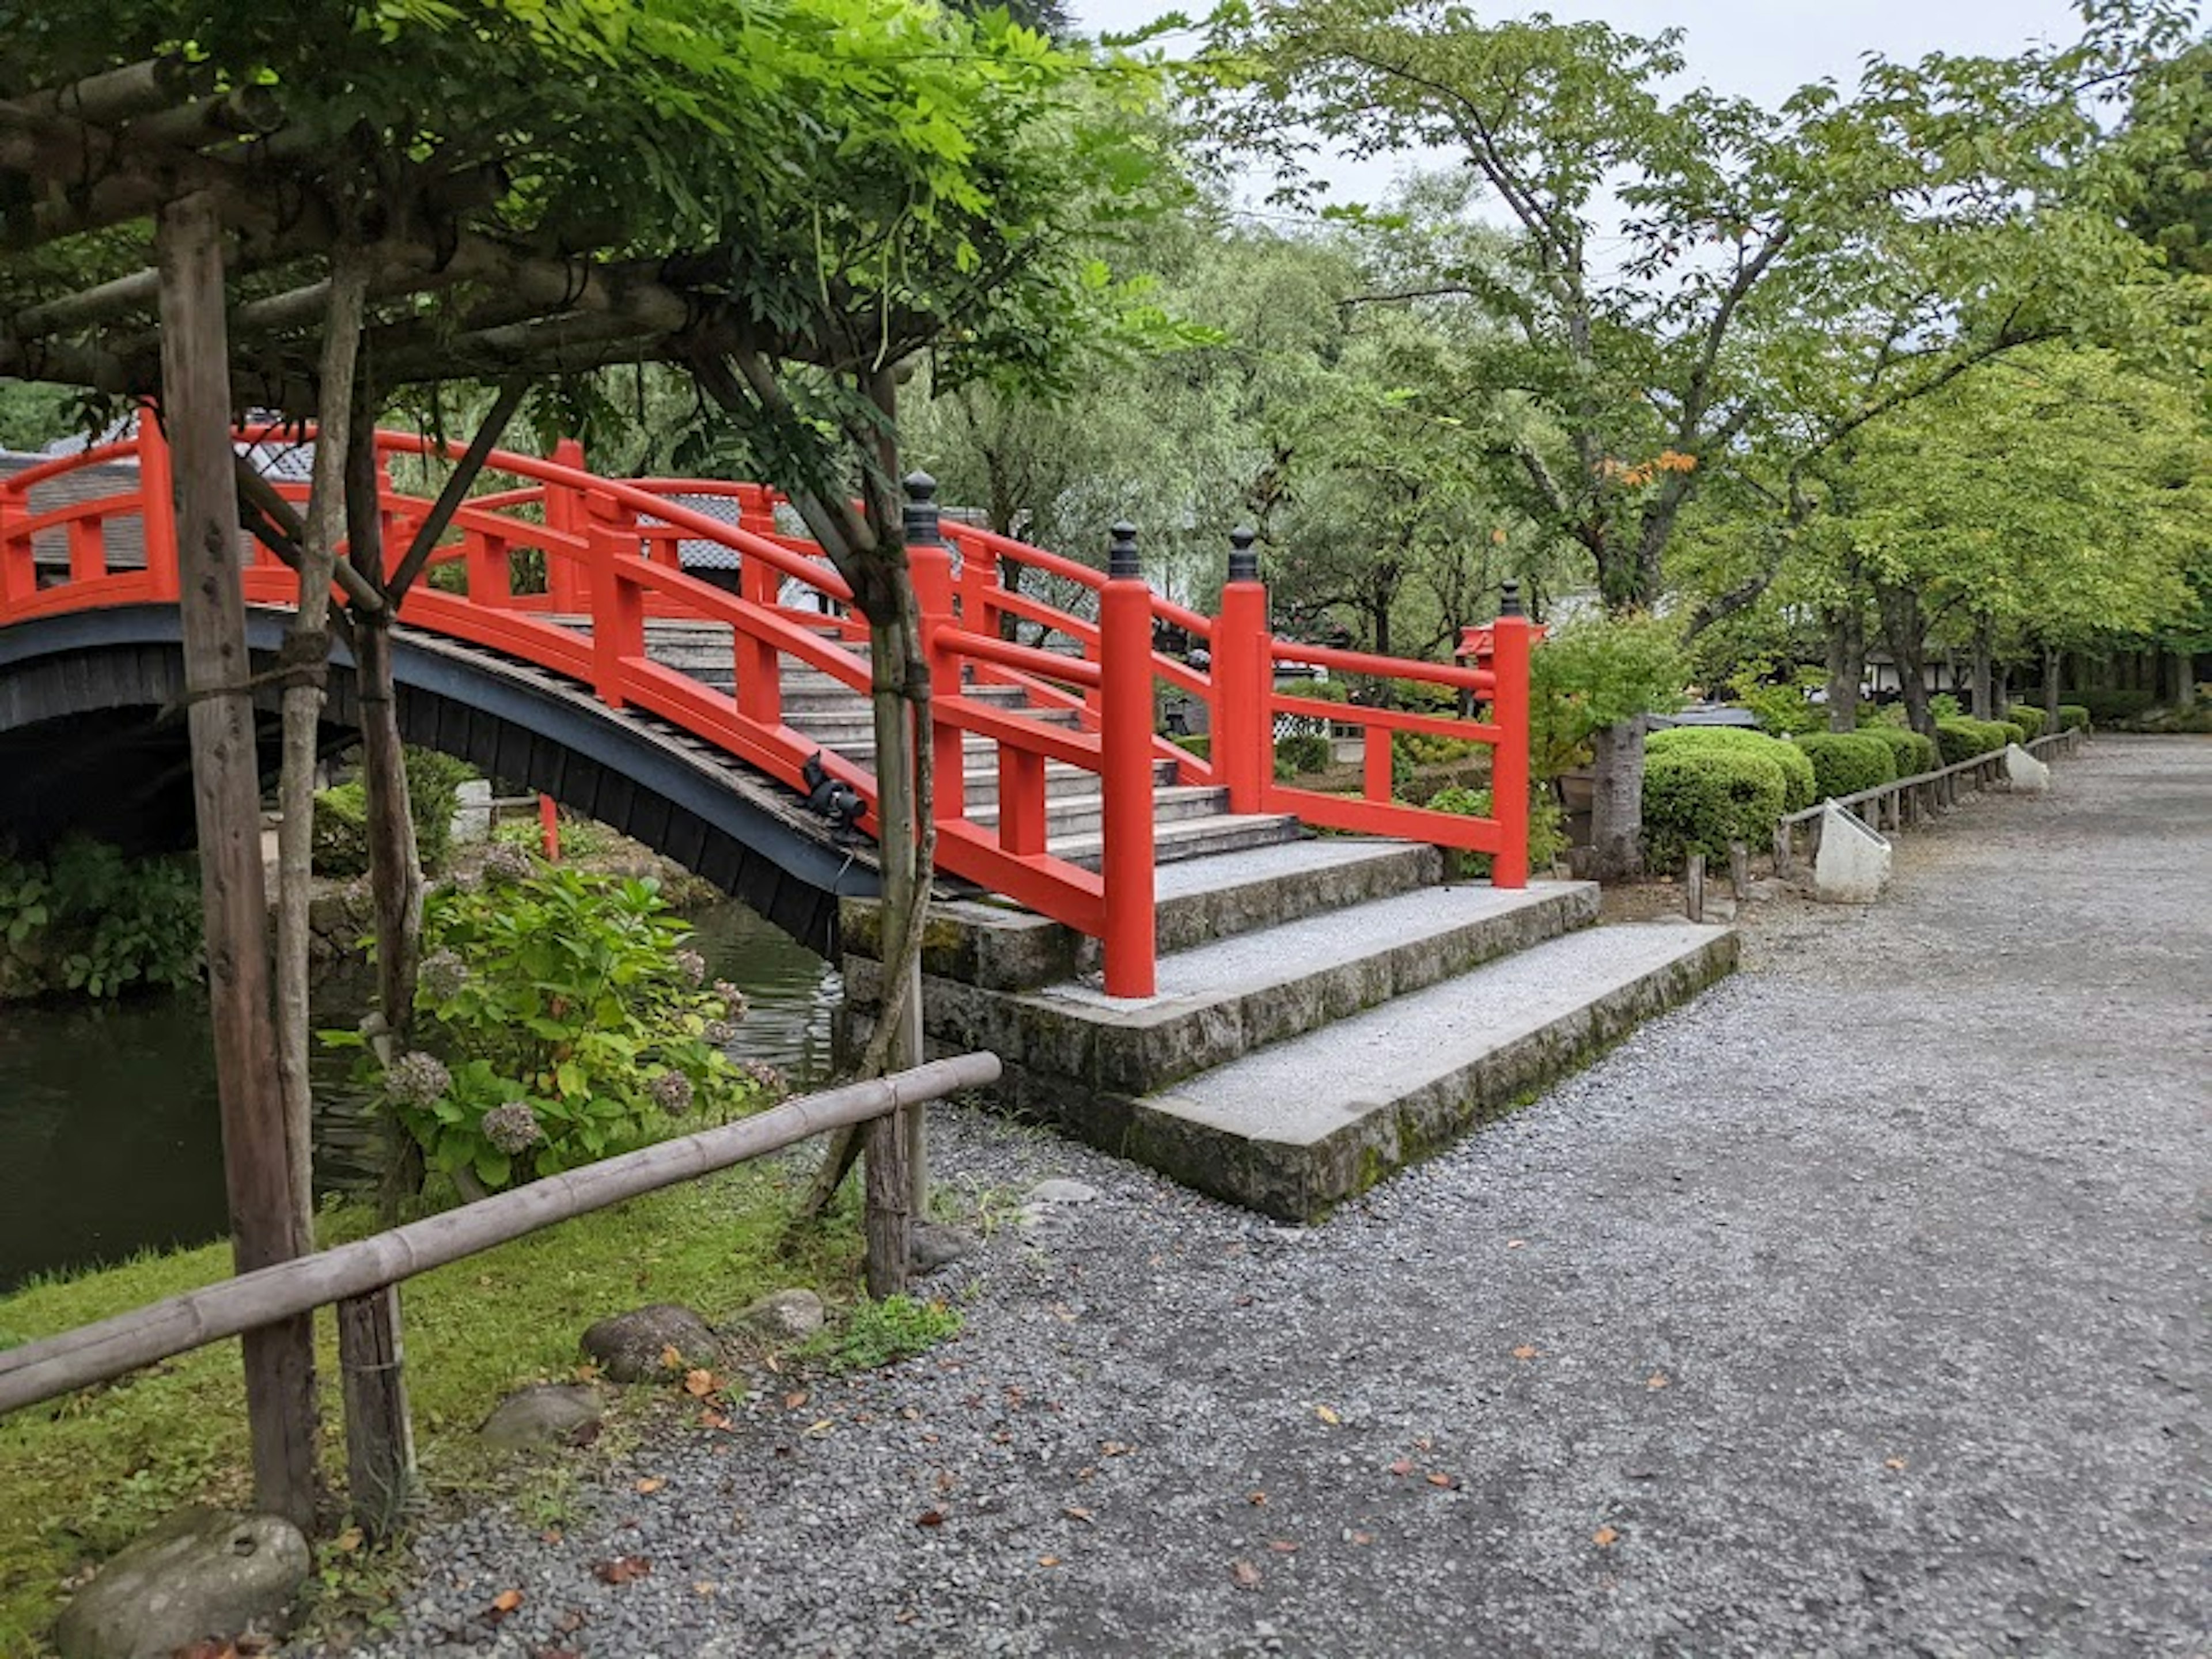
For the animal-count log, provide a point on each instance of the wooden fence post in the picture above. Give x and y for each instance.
(1693, 887)
(380, 1438)
(1739, 870)
(888, 1217)
(1785, 849)
(265, 1227)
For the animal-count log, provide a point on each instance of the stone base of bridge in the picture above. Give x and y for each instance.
(1328, 1011)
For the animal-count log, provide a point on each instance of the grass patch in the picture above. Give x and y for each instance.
(879, 1332)
(82, 1475)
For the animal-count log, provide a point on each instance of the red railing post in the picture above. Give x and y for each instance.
(566, 510)
(157, 505)
(618, 607)
(929, 562)
(1125, 661)
(1243, 738)
(756, 664)
(549, 828)
(1509, 764)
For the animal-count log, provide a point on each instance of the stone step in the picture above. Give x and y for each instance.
(1228, 998)
(1070, 817)
(1188, 838)
(1296, 1128)
(999, 947)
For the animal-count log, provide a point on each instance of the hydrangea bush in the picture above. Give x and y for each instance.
(560, 1016)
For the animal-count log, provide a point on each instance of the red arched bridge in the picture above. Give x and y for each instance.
(658, 653)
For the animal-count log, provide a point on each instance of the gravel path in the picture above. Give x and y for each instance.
(1859, 1307)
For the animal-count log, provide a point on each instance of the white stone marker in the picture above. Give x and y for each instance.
(1852, 865)
(2027, 774)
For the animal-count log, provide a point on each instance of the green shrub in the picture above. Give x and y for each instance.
(1781, 709)
(1201, 746)
(563, 1019)
(91, 921)
(1963, 739)
(1699, 800)
(1911, 753)
(341, 839)
(340, 847)
(2109, 708)
(1800, 788)
(1547, 831)
(2073, 717)
(2030, 719)
(2013, 730)
(1423, 749)
(1844, 763)
(1306, 751)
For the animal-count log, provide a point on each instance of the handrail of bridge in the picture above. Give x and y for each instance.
(564, 568)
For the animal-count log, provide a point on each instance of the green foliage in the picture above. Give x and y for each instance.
(1547, 832)
(2014, 731)
(1422, 748)
(1304, 752)
(2073, 717)
(92, 922)
(1844, 763)
(1800, 787)
(567, 1021)
(2109, 708)
(340, 845)
(1699, 800)
(1962, 738)
(880, 1332)
(1194, 745)
(2029, 719)
(1593, 672)
(1782, 710)
(1910, 752)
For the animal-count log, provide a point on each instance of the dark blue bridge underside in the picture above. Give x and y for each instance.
(738, 829)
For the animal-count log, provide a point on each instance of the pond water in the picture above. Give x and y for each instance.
(110, 1134)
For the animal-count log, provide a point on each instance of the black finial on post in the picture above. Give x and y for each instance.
(1509, 600)
(1122, 551)
(922, 529)
(1243, 561)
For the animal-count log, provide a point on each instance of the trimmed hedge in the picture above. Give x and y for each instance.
(1844, 763)
(2030, 720)
(1963, 739)
(341, 840)
(1306, 751)
(1911, 753)
(2107, 706)
(341, 843)
(1700, 798)
(1800, 787)
(2073, 717)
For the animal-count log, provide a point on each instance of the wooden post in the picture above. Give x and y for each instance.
(1739, 870)
(280, 1358)
(887, 1215)
(1693, 887)
(380, 1438)
(1784, 851)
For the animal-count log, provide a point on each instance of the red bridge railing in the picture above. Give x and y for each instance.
(562, 569)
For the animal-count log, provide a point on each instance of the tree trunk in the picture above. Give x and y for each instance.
(280, 1358)
(1617, 802)
(1846, 665)
(1903, 633)
(1984, 707)
(305, 658)
(2052, 659)
(2185, 680)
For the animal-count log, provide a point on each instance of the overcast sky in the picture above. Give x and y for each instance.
(1763, 49)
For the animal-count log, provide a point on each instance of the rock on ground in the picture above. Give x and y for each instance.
(1857, 1308)
(201, 1574)
(633, 1346)
(784, 1316)
(550, 1414)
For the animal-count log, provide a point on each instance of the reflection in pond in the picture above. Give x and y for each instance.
(111, 1140)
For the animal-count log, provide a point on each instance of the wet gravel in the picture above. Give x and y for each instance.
(1859, 1307)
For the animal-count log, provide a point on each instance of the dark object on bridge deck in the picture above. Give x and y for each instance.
(827, 797)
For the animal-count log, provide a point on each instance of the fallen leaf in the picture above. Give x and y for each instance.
(622, 1569)
(1893, 1462)
(1327, 1415)
(349, 1541)
(905, 1616)
(1516, 1243)
(1247, 1576)
(670, 1359)
(551, 1535)
(1527, 1351)
(1605, 1538)
(1283, 1545)
(652, 1483)
(570, 1622)
(1114, 1449)
(705, 1587)
(1403, 1465)
(1087, 1517)
(795, 1399)
(1363, 1538)
(711, 1418)
(820, 1426)
(1048, 1560)
(1657, 1379)
(1448, 1482)
(930, 1518)
(1256, 1498)
(505, 1602)
(699, 1383)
